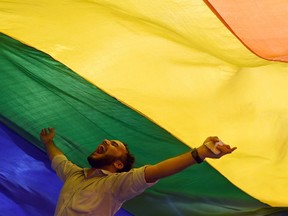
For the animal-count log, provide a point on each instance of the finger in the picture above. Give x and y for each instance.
(230, 150)
(214, 139)
(43, 132)
(229, 147)
(225, 148)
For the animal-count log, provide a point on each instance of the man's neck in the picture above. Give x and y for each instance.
(105, 169)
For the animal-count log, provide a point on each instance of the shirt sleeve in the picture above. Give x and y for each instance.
(130, 184)
(63, 167)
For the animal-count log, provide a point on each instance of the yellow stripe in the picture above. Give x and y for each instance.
(180, 66)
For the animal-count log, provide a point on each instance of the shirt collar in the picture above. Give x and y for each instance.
(96, 172)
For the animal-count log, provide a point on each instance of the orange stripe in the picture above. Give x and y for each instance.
(262, 27)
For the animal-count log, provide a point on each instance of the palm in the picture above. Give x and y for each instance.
(47, 136)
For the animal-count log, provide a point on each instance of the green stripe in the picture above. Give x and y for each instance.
(37, 91)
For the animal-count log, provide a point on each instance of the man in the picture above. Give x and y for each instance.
(103, 188)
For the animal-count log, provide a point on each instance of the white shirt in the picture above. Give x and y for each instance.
(102, 193)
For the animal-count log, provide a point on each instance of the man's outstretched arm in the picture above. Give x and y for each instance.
(46, 137)
(176, 164)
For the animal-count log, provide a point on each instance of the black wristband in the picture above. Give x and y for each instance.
(195, 156)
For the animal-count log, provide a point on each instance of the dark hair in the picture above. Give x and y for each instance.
(128, 160)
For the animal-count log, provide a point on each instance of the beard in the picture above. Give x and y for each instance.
(101, 162)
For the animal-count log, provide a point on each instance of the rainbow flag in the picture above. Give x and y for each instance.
(160, 76)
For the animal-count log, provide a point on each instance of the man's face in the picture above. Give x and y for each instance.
(106, 153)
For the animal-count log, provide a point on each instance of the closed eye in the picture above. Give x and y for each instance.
(114, 143)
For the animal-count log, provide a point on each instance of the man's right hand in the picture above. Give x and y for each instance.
(47, 135)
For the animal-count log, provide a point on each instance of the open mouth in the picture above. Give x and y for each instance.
(101, 149)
